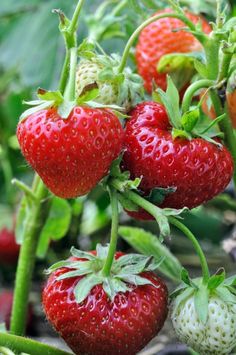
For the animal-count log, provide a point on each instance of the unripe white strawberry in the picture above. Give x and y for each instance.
(215, 336)
(123, 89)
(88, 74)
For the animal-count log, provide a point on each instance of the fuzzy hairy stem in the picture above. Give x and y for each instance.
(19, 344)
(34, 223)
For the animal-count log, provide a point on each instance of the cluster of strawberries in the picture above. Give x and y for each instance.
(73, 154)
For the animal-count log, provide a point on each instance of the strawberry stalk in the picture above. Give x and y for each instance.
(196, 245)
(70, 41)
(160, 217)
(25, 267)
(70, 88)
(114, 233)
(135, 34)
(20, 344)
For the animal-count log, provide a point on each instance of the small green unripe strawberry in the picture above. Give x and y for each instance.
(88, 74)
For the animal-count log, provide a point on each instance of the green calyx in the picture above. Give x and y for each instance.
(54, 99)
(217, 285)
(124, 275)
(188, 124)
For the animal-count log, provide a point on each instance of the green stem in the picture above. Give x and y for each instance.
(191, 91)
(70, 42)
(197, 247)
(70, 88)
(212, 46)
(133, 37)
(114, 233)
(224, 66)
(64, 73)
(26, 262)
(119, 8)
(74, 21)
(226, 128)
(19, 344)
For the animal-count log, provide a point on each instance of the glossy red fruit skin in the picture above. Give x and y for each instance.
(100, 326)
(158, 39)
(9, 250)
(198, 169)
(6, 301)
(71, 155)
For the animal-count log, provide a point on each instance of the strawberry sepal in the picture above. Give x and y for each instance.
(126, 271)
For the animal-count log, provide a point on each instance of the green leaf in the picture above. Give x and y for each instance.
(41, 106)
(54, 96)
(172, 62)
(90, 93)
(136, 280)
(84, 268)
(33, 43)
(230, 281)
(56, 225)
(182, 297)
(216, 280)
(158, 194)
(224, 293)
(186, 279)
(179, 133)
(82, 254)
(85, 285)
(201, 299)
(170, 99)
(190, 119)
(86, 49)
(148, 244)
(127, 204)
(102, 251)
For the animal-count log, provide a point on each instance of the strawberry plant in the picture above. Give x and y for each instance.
(157, 157)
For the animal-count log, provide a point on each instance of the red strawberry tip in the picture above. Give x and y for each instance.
(125, 271)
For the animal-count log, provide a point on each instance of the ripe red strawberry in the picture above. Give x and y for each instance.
(198, 169)
(6, 300)
(9, 250)
(71, 155)
(158, 39)
(100, 325)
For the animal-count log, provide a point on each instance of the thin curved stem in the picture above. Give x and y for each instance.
(197, 247)
(192, 89)
(114, 233)
(26, 262)
(74, 21)
(19, 344)
(133, 37)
